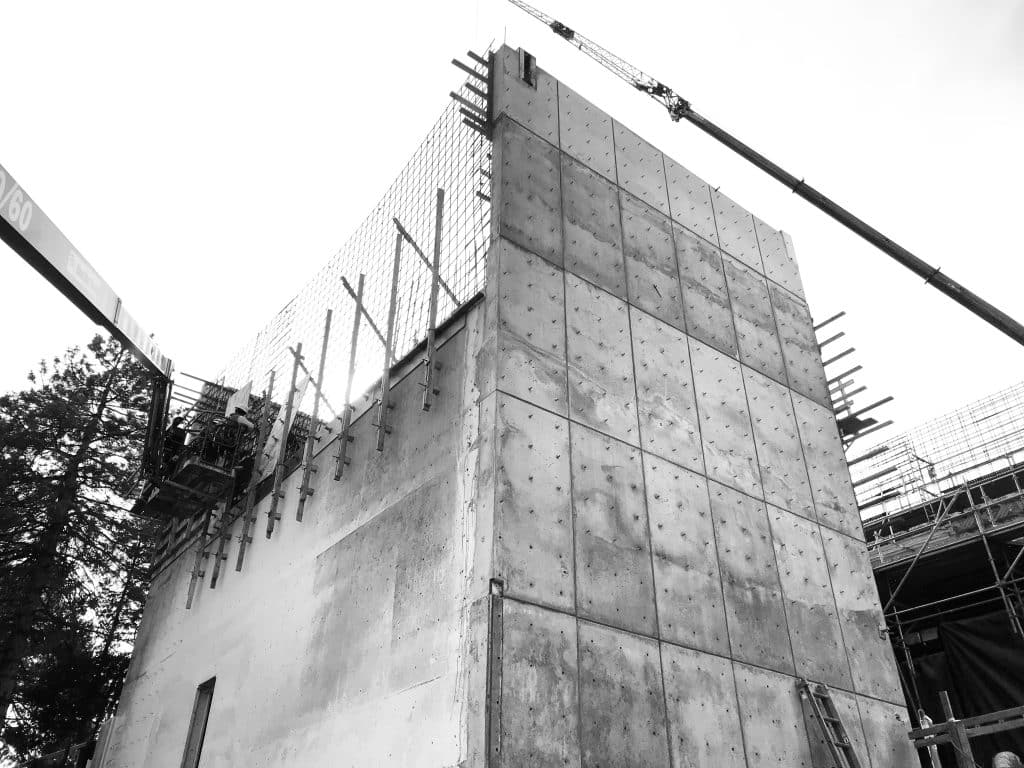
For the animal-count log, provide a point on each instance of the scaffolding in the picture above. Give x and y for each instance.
(943, 510)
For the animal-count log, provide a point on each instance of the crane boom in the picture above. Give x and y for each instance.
(680, 109)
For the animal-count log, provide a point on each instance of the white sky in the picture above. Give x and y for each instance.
(207, 158)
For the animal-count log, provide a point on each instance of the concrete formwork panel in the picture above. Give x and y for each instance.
(777, 256)
(810, 607)
(885, 731)
(614, 584)
(532, 106)
(593, 238)
(783, 473)
(750, 580)
(799, 346)
(736, 234)
(849, 713)
(539, 697)
(531, 202)
(755, 324)
(690, 201)
(726, 433)
(531, 330)
(640, 168)
(871, 660)
(687, 583)
(586, 132)
(622, 705)
(773, 726)
(651, 271)
(666, 405)
(601, 390)
(703, 719)
(705, 294)
(831, 487)
(533, 529)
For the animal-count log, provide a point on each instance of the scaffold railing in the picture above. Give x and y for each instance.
(922, 465)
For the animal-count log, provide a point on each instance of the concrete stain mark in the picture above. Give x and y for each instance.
(666, 404)
(387, 595)
(585, 132)
(750, 580)
(687, 582)
(530, 215)
(799, 346)
(755, 324)
(779, 264)
(690, 200)
(601, 390)
(539, 697)
(613, 565)
(705, 294)
(703, 717)
(736, 231)
(622, 705)
(773, 725)
(534, 106)
(871, 659)
(531, 330)
(810, 608)
(885, 732)
(726, 433)
(831, 487)
(533, 547)
(593, 240)
(651, 271)
(783, 472)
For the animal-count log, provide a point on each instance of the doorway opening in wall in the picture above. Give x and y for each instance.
(197, 725)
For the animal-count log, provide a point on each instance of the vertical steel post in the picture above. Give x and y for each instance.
(385, 380)
(1007, 604)
(429, 364)
(304, 490)
(197, 566)
(266, 418)
(346, 420)
(957, 734)
(275, 497)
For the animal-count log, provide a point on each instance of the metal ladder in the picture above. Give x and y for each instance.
(824, 710)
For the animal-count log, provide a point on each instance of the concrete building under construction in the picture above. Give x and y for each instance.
(594, 511)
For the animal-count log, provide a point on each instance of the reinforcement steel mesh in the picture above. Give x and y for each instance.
(453, 157)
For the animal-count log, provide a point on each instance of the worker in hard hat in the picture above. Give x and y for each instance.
(1006, 760)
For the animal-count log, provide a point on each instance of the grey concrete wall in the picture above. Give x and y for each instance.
(353, 638)
(674, 524)
(632, 439)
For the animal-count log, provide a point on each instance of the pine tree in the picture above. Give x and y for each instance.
(72, 560)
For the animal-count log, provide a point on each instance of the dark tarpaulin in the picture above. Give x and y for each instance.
(985, 660)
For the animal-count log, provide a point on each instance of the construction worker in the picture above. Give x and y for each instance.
(1006, 760)
(174, 441)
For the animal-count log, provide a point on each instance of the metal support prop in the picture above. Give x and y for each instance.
(314, 425)
(383, 404)
(429, 364)
(275, 497)
(224, 523)
(197, 566)
(341, 459)
(423, 257)
(248, 519)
